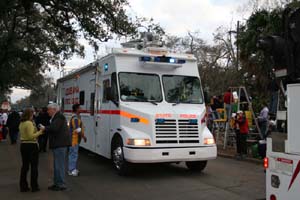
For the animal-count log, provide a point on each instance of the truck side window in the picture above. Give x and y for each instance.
(81, 97)
(92, 103)
(114, 86)
(105, 86)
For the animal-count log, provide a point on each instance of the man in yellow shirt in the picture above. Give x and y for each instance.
(77, 132)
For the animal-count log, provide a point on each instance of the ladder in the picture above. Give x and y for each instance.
(241, 89)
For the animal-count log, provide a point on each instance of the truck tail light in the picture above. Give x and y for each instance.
(266, 162)
(273, 197)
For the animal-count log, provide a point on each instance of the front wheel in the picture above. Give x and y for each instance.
(119, 162)
(196, 165)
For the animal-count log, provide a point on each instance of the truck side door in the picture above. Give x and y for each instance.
(103, 119)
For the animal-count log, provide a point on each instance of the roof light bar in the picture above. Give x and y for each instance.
(162, 59)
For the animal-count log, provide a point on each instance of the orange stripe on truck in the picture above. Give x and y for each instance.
(116, 112)
(124, 114)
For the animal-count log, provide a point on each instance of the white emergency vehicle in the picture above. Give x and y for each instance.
(141, 106)
(282, 162)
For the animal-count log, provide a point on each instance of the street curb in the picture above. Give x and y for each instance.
(252, 160)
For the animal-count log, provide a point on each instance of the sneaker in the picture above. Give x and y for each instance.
(75, 172)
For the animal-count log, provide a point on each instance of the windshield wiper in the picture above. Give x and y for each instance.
(179, 102)
(152, 101)
(174, 104)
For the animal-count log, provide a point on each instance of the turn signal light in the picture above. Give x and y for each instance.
(209, 141)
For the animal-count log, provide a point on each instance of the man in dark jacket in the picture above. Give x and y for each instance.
(12, 123)
(44, 119)
(59, 141)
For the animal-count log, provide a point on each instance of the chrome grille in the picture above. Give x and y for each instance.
(176, 131)
(188, 132)
(166, 132)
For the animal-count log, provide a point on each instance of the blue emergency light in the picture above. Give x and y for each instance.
(145, 58)
(160, 121)
(163, 59)
(193, 121)
(105, 67)
(172, 60)
(134, 120)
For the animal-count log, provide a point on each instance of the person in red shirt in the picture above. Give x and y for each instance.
(241, 135)
(228, 100)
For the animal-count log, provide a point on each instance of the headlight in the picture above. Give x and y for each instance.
(209, 141)
(138, 142)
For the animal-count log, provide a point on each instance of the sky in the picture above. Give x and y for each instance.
(177, 17)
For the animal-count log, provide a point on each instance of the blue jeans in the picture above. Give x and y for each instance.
(263, 126)
(228, 109)
(73, 157)
(59, 157)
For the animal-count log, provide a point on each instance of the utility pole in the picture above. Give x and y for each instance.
(237, 32)
(237, 44)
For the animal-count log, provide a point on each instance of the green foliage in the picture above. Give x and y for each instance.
(39, 97)
(38, 33)
(260, 23)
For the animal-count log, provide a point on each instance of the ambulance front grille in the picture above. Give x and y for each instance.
(188, 133)
(174, 131)
(166, 132)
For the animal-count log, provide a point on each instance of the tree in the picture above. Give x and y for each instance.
(254, 62)
(215, 62)
(38, 33)
(40, 96)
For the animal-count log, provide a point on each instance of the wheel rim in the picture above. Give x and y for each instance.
(118, 157)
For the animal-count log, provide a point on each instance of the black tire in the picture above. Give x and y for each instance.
(196, 165)
(120, 164)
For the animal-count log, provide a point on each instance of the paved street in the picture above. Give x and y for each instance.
(223, 178)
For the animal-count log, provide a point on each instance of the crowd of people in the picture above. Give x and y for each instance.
(38, 129)
(238, 119)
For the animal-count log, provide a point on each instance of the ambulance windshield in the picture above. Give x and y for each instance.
(182, 89)
(140, 87)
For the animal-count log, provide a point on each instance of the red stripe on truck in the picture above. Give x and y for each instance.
(295, 174)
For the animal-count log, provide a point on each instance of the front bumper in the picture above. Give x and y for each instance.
(156, 155)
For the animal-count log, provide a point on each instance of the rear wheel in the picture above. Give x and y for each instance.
(119, 162)
(196, 165)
